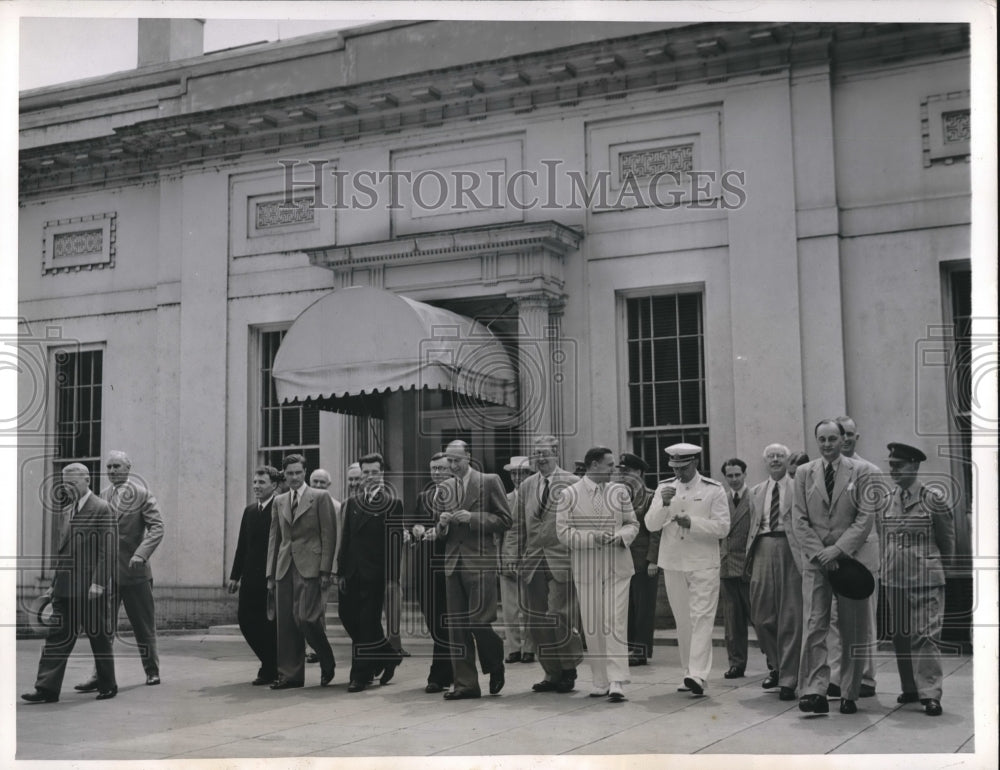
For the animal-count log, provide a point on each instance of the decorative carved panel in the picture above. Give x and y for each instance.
(281, 214)
(79, 243)
(676, 159)
(946, 128)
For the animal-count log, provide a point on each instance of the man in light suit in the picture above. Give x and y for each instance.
(473, 509)
(550, 600)
(83, 573)
(248, 575)
(521, 647)
(595, 520)
(734, 588)
(140, 530)
(301, 544)
(831, 519)
(693, 512)
(775, 572)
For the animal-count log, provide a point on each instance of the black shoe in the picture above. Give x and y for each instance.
(497, 680)
(403, 653)
(908, 697)
(693, 685)
(932, 707)
(326, 677)
(637, 661)
(545, 686)
(565, 685)
(433, 687)
(40, 696)
(91, 685)
(771, 682)
(356, 686)
(833, 691)
(733, 673)
(262, 680)
(461, 694)
(528, 657)
(153, 679)
(284, 684)
(848, 707)
(312, 657)
(815, 704)
(786, 693)
(867, 691)
(514, 657)
(387, 673)
(107, 694)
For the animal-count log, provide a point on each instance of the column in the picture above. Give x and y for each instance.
(536, 335)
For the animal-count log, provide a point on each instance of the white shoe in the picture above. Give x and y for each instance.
(598, 692)
(615, 692)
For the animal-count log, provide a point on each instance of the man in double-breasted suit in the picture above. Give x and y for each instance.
(733, 585)
(775, 572)
(83, 574)
(832, 519)
(473, 509)
(372, 519)
(550, 600)
(301, 544)
(248, 575)
(917, 531)
(595, 520)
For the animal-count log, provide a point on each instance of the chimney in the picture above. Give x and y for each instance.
(166, 40)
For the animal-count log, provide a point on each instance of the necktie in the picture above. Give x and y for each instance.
(545, 496)
(904, 495)
(295, 500)
(828, 478)
(775, 513)
(736, 500)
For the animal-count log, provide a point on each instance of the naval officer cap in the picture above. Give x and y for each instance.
(681, 454)
(905, 453)
(633, 462)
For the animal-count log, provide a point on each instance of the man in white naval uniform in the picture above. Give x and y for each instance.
(693, 513)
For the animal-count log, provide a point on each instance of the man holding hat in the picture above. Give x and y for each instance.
(516, 638)
(917, 533)
(645, 548)
(693, 513)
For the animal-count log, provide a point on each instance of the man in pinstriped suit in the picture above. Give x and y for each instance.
(733, 587)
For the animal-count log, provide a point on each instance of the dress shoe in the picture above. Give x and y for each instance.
(867, 691)
(545, 686)
(40, 696)
(356, 686)
(637, 661)
(599, 692)
(153, 679)
(312, 657)
(403, 653)
(565, 685)
(908, 697)
(694, 685)
(786, 693)
(815, 704)
(615, 693)
(284, 684)
(833, 691)
(771, 682)
(528, 657)
(433, 687)
(91, 685)
(387, 673)
(848, 707)
(932, 707)
(734, 673)
(497, 680)
(683, 689)
(326, 677)
(262, 680)
(107, 694)
(461, 694)
(514, 657)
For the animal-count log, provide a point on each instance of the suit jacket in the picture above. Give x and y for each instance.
(250, 561)
(733, 547)
(140, 528)
(845, 519)
(646, 546)
(372, 531)
(508, 542)
(486, 501)
(538, 543)
(760, 508)
(917, 538)
(85, 554)
(869, 553)
(583, 512)
(696, 548)
(306, 536)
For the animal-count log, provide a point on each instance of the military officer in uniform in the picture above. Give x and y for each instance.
(917, 532)
(693, 513)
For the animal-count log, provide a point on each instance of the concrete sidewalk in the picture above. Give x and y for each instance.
(207, 708)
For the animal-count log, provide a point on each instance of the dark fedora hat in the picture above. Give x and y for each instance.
(40, 615)
(851, 579)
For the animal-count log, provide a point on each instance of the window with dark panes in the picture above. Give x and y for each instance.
(960, 381)
(78, 381)
(284, 428)
(666, 377)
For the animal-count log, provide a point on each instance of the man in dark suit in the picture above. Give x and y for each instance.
(84, 568)
(249, 575)
(301, 544)
(428, 578)
(473, 509)
(645, 551)
(831, 519)
(733, 586)
(370, 519)
(140, 530)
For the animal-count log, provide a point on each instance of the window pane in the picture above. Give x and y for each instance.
(691, 403)
(645, 329)
(665, 359)
(634, 363)
(667, 404)
(635, 405)
(690, 354)
(632, 314)
(665, 316)
(689, 312)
